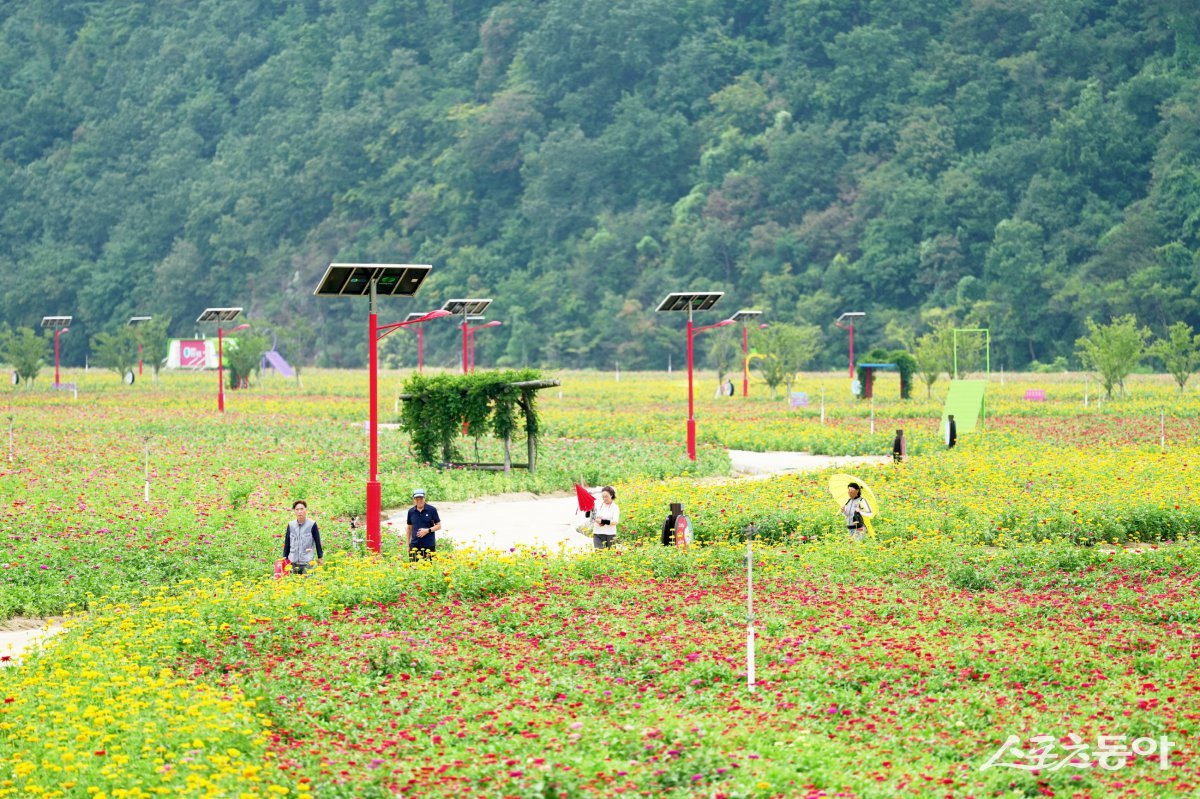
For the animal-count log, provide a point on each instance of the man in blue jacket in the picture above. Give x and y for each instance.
(423, 524)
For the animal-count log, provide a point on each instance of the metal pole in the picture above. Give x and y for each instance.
(750, 608)
(10, 439)
(1162, 428)
(852, 350)
(373, 491)
(56, 378)
(691, 420)
(421, 347)
(139, 359)
(745, 361)
(464, 329)
(220, 369)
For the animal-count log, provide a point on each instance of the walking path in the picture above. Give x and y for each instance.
(548, 521)
(17, 635)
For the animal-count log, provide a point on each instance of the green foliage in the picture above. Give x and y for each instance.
(486, 402)
(1179, 352)
(115, 351)
(243, 356)
(575, 160)
(933, 354)
(906, 365)
(786, 349)
(25, 351)
(724, 354)
(153, 337)
(1113, 350)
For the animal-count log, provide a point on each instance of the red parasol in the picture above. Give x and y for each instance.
(587, 503)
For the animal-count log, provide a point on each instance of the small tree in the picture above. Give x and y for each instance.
(934, 353)
(116, 351)
(1179, 352)
(244, 357)
(785, 350)
(26, 352)
(1113, 350)
(298, 338)
(723, 354)
(154, 339)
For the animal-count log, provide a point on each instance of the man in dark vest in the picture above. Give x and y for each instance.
(951, 432)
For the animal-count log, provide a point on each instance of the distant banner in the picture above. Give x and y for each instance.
(191, 353)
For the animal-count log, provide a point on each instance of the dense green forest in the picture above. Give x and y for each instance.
(1014, 164)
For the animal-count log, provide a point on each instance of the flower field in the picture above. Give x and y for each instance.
(880, 673)
(997, 602)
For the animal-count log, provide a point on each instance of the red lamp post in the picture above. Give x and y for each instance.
(471, 341)
(220, 315)
(418, 319)
(369, 280)
(851, 315)
(745, 316)
(692, 301)
(134, 321)
(60, 325)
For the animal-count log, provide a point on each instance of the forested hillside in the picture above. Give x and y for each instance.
(1016, 164)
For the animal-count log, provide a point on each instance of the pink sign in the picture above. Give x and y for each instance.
(191, 354)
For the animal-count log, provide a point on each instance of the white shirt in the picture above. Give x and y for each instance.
(610, 512)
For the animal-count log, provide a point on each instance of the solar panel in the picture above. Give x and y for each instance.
(56, 322)
(690, 300)
(219, 315)
(745, 315)
(137, 320)
(354, 280)
(416, 315)
(468, 307)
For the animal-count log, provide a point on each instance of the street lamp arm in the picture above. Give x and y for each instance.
(383, 330)
(722, 323)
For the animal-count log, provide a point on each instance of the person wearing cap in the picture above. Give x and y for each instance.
(423, 524)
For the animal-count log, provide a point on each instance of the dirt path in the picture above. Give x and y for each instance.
(548, 521)
(17, 635)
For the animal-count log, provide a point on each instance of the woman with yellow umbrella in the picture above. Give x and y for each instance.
(859, 505)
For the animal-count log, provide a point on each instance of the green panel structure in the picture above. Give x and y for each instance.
(965, 401)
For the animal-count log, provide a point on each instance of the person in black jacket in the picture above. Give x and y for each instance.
(951, 432)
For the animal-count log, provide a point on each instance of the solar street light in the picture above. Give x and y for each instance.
(744, 316)
(134, 321)
(220, 316)
(851, 315)
(419, 319)
(372, 280)
(60, 325)
(691, 301)
(468, 308)
(471, 338)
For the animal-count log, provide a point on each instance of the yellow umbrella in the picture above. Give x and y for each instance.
(838, 485)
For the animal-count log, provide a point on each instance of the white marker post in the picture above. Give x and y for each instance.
(1085, 391)
(10, 438)
(1162, 428)
(822, 404)
(750, 607)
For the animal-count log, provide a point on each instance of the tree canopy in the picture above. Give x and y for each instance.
(1020, 166)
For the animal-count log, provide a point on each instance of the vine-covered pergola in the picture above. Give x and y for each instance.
(440, 408)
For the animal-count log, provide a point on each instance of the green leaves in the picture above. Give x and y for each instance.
(441, 406)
